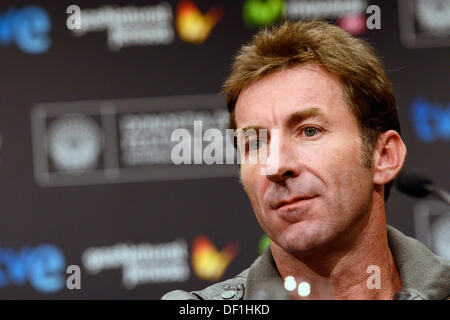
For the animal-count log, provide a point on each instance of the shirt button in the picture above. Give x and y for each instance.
(228, 294)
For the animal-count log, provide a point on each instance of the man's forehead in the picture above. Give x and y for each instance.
(306, 90)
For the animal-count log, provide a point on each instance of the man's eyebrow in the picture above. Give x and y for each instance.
(300, 116)
(251, 127)
(293, 119)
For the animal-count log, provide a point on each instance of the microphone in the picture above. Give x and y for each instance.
(417, 185)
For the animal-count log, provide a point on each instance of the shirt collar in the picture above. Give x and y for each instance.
(423, 275)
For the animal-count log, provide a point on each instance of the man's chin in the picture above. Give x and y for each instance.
(300, 240)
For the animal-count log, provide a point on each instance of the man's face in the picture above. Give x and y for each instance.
(321, 188)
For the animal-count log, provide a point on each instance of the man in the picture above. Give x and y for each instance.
(339, 151)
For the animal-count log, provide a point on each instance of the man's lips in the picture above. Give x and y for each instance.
(286, 203)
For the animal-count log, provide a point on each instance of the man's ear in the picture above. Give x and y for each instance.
(388, 157)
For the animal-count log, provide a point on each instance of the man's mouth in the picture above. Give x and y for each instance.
(292, 201)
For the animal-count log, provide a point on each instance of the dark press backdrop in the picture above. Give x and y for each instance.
(86, 117)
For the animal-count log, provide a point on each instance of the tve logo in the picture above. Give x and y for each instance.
(431, 121)
(28, 28)
(42, 266)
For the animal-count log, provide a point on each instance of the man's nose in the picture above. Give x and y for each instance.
(288, 163)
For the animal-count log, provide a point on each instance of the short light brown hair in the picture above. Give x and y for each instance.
(366, 87)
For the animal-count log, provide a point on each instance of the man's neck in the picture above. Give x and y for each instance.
(363, 268)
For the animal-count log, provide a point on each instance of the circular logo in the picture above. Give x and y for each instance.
(74, 143)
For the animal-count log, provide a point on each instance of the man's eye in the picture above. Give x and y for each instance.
(311, 131)
(255, 144)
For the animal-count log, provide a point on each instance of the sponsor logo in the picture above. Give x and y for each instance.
(141, 263)
(127, 140)
(28, 28)
(193, 26)
(352, 23)
(42, 267)
(424, 23)
(332, 9)
(209, 263)
(125, 26)
(431, 121)
(350, 15)
(74, 143)
(262, 12)
(145, 138)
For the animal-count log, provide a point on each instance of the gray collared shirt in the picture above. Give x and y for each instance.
(424, 276)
